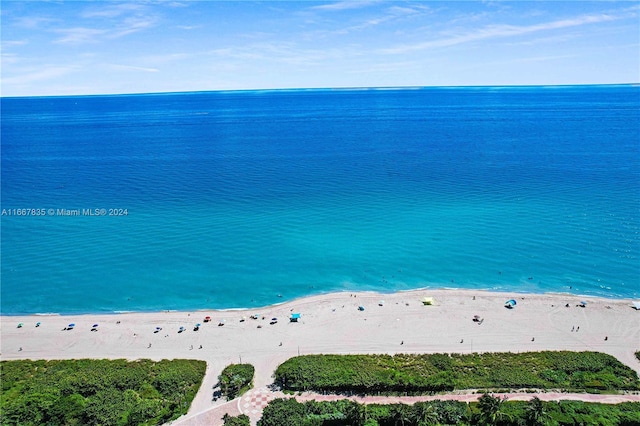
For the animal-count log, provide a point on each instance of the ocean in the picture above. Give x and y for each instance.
(225, 200)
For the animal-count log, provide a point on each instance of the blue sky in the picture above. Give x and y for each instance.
(95, 47)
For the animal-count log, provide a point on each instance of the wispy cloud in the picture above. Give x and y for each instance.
(112, 10)
(10, 43)
(33, 22)
(46, 73)
(119, 67)
(388, 15)
(78, 35)
(9, 58)
(132, 25)
(345, 5)
(495, 31)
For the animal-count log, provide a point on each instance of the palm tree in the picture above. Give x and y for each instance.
(491, 409)
(427, 414)
(401, 414)
(535, 412)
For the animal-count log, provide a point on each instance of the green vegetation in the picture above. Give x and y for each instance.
(97, 392)
(236, 379)
(487, 411)
(370, 374)
(638, 355)
(241, 420)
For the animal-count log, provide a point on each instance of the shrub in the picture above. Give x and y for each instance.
(236, 379)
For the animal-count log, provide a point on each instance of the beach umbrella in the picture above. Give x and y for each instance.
(274, 319)
(381, 303)
(95, 325)
(71, 325)
(510, 303)
(198, 325)
(38, 324)
(583, 304)
(361, 308)
(158, 328)
(20, 325)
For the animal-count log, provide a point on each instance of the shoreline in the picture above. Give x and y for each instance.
(333, 324)
(513, 293)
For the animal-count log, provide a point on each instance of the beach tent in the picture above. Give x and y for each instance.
(427, 301)
(636, 305)
(510, 303)
(295, 317)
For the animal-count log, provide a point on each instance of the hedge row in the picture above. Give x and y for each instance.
(574, 371)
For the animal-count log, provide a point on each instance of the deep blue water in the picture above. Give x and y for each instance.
(234, 198)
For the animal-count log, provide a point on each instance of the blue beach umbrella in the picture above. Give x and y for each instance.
(361, 308)
(71, 325)
(510, 303)
(95, 325)
(38, 324)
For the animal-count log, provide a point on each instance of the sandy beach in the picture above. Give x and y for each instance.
(333, 323)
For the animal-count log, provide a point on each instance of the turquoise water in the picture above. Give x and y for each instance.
(233, 199)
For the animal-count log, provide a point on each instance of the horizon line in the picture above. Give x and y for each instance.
(338, 88)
